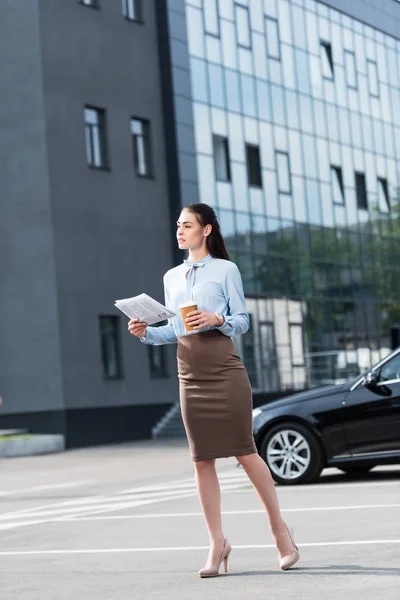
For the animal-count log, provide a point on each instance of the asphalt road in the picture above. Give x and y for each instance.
(123, 522)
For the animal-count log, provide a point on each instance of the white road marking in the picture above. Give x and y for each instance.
(190, 548)
(329, 486)
(231, 512)
(40, 488)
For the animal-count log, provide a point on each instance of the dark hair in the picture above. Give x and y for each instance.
(206, 216)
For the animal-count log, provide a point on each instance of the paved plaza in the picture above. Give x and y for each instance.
(123, 522)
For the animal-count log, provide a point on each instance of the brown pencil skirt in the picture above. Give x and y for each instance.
(215, 395)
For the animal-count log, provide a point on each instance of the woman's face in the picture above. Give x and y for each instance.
(189, 233)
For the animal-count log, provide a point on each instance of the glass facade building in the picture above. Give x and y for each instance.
(296, 127)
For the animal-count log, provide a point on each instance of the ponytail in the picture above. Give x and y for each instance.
(215, 242)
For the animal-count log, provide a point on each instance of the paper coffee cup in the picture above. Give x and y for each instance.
(186, 308)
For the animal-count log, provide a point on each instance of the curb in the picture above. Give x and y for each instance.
(31, 445)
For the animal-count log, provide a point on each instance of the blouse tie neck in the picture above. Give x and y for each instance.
(191, 276)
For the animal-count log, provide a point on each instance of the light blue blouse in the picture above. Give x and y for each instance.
(216, 286)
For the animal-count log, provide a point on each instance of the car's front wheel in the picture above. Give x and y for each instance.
(292, 453)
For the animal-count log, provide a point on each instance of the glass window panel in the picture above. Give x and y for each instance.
(283, 169)
(326, 60)
(236, 142)
(228, 41)
(337, 185)
(221, 158)
(225, 9)
(284, 20)
(224, 191)
(313, 201)
(378, 136)
(232, 90)
(351, 74)
(295, 152)
(242, 26)
(320, 118)
(198, 73)
(302, 69)
(239, 184)
(373, 78)
(271, 198)
(213, 45)
(361, 191)
(272, 33)
(345, 132)
(299, 201)
(328, 217)
(195, 37)
(292, 110)
(309, 151)
(300, 27)
(278, 105)
(355, 120)
(270, 8)
(245, 60)
(336, 45)
(323, 160)
(206, 173)
(253, 165)
(202, 128)
(289, 76)
(216, 86)
(316, 76)
(333, 121)
(263, 101)
(383, 195)
(381, 63)
(110, 347)
(312, 33)
(275, 71)
(211, 17)
(248, 95)
(306, 113)
(267, 148)
(260, 56)
(227, 223)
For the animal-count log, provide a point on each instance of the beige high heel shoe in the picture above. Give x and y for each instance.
(214, 571)
(287, 562)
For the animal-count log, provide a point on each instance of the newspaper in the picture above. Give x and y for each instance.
(144, 308)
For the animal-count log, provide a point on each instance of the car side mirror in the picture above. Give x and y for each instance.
(371, 380)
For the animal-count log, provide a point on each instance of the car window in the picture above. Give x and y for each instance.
(391, 370)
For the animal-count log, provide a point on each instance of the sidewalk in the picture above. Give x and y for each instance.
(136, 462)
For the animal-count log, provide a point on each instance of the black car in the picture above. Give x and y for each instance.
(354, 426)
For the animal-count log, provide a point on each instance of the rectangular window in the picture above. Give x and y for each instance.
(351, 72)
(337, 184)
(242, 21)
(95, 134)
(221, 158)
(253, 165)
(140, 130)
(283, 169)
(92, 3)
(296, 344)
(157, 362)
(361, 191)
(132, 10)
(373, 82)
(211, 17)
(327, 60)
(273, 44)
(383, 195)
(110, 347)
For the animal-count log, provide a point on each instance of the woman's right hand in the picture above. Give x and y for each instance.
(137, 328)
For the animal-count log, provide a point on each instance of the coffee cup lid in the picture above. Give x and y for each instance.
(189, 303)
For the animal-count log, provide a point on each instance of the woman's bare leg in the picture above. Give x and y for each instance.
(260, 476)
(210, 500)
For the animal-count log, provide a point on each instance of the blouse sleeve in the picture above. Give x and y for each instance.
(157, 336)
(237, 320)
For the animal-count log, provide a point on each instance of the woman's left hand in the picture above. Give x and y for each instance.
(200, 318)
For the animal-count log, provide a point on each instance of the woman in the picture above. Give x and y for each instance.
(215, 392)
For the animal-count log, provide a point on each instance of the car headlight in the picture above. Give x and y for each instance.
(256, 412)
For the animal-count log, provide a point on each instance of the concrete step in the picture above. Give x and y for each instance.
(27, 444)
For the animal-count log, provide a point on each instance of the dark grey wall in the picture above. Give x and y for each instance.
(30, 372)
(73, 239)
(380, 14)
(111, 229)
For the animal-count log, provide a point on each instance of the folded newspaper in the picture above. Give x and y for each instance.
(144, 308)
